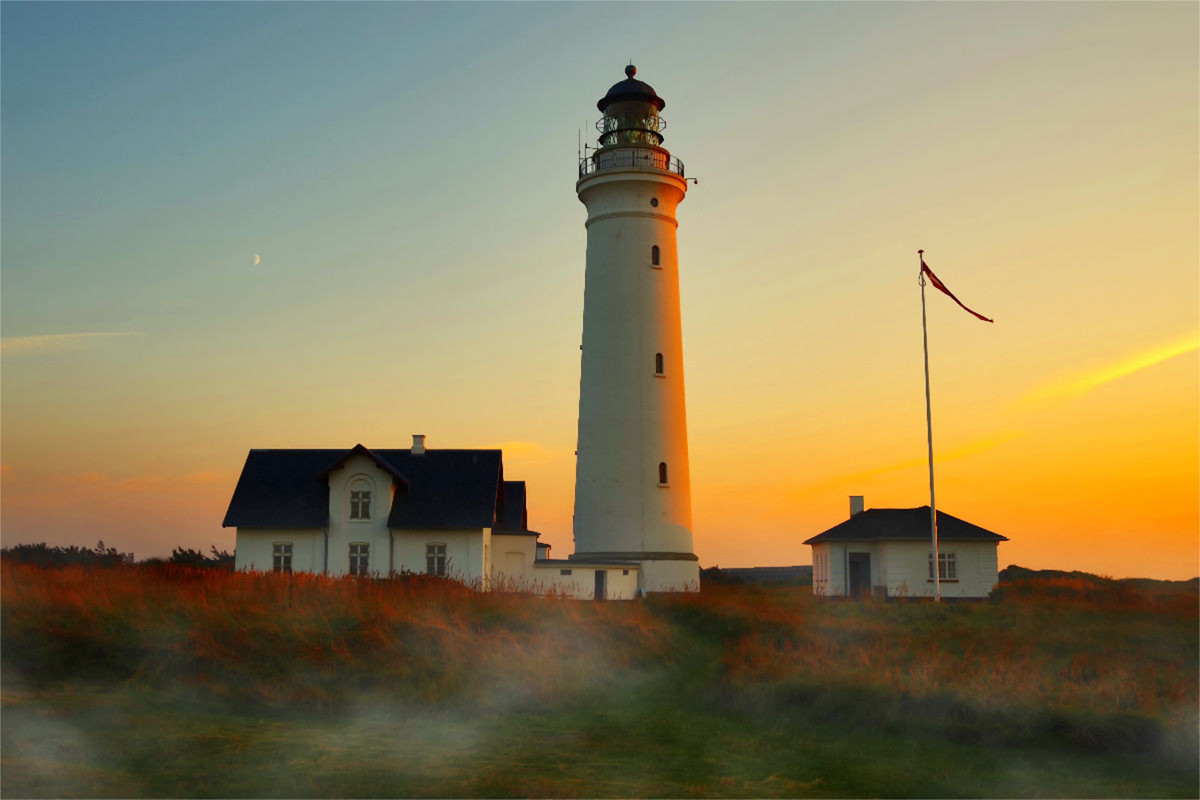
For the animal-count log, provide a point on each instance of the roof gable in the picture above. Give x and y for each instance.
(903, 523)
(357, 450)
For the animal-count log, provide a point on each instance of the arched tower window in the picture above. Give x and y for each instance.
(658, 364)
(655, 259)
(662, 473)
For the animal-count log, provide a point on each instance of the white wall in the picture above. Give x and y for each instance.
(906, 568)
(621, 580)
(512, 561)
(670, 576)
(254, 548)
(464, 551)
(344, 531)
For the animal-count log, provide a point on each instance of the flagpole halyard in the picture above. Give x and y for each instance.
(935, 566)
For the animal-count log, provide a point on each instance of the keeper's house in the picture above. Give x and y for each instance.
(886, 552)
(378, 512)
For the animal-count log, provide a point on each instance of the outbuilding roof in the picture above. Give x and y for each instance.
(903, 523)
(435, 489)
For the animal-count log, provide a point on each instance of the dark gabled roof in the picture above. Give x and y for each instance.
(282, 489)
(513, 517)
(447, 488)
(439, 488)
(903, 523)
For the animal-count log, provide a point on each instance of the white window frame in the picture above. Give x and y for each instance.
(281, 557)
(435, 559)
(947, 567)
(360, 558)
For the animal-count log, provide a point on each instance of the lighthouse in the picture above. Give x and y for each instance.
(632, 484)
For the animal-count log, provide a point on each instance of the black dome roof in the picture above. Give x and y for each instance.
(631, 89)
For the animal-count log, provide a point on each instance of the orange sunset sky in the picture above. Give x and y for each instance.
(406, 174)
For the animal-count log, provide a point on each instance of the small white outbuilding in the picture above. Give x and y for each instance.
(887, 552)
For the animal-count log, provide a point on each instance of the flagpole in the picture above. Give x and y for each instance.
(936, 566)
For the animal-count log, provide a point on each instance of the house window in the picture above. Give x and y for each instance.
(624, 572)
(658, 364)
(360, 504)
(281, 557)
(947, 567)
(662, 473)
(435, 559)
(564, 572)
(359, 558)
(655, 259)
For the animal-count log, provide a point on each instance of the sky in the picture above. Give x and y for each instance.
(405, 173)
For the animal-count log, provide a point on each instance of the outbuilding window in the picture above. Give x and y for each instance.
(359, 558)
(655, 257)
(662, 473)
(281, 557)
(435, 559)
(947, 567)
(360, 504)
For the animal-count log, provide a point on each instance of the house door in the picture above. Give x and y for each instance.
(601, 575)
(860, 574)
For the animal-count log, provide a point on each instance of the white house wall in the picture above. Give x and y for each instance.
(621, 583)
(343, 531)
(254, 549)
(907, 568)
(465, 551)
(512, 561)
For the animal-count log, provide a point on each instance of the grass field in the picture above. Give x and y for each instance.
(171, 681)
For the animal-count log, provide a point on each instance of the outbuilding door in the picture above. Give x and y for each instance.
(860, 574)
(601, 575)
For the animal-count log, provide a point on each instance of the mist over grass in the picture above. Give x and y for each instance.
(174, 681)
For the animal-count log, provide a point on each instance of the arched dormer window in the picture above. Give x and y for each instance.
(662, 473)
(359, 498)
(658, 364)
(655, 259)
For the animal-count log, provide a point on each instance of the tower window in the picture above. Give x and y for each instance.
(658, 364)
(654, 202)
(654, 257)
(662, 473)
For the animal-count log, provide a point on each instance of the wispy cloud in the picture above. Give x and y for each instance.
(54, 342)
(1084, 382)
(962, 451)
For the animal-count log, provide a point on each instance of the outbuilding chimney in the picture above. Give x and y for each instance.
(856, 504)
(418, 448)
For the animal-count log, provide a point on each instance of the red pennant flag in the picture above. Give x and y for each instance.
(938, 284)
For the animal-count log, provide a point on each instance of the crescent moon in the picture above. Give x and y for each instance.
(257, 259)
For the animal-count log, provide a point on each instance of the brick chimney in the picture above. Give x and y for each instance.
(418, 447)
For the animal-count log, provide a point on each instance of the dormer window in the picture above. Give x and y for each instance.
(360, 504)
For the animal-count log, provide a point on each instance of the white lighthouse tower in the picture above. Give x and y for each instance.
(632, 485)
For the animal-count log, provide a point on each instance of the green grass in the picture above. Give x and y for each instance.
(140, 683)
